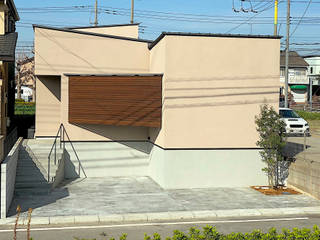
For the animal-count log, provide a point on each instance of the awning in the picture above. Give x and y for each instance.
(299, 87)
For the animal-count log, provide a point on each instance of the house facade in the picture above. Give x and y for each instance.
(314, 73)
(8, 39)
(170, 109)
(298, 80)
(25, 81)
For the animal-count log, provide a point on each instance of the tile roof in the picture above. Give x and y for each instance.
(8, 46)
(295, 60)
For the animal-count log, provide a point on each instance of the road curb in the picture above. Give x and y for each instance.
(163, 216)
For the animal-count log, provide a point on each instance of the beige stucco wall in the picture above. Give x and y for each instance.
(2, 22)
(158, 65)
(213, 89)
(3, 10)
(58, 52)
(131, 31)
(48, 105)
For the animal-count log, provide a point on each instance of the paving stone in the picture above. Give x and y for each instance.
(62, 220)
(112, 197)
(40, 221)
(158, 216)
(204, 214)
(111, 218)
(86, 219)
(135, 217)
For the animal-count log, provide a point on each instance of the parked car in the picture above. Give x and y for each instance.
(294, 123)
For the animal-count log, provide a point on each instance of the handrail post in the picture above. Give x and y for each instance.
(61, 128)
(49, 169)
(55, 154)
(64, 145)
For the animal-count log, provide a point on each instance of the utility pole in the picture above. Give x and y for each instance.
(287, 55)
(132, 11)
(275, 17)
(96, 14)
(18, 81)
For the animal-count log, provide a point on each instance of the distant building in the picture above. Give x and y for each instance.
(314, 73)
(298, 77)
(26, 93)
(25, 78)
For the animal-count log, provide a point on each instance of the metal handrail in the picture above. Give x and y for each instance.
(75, 152)
(61, 133)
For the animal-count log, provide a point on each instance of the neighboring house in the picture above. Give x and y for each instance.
(314, 73)
(25, 78)
(26, 93)
(298, 80)
(8, 39)
(180, 109)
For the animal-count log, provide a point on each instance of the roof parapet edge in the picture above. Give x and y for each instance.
(91, 34)
(163, 34)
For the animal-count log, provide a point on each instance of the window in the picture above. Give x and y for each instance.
(282, 72)
(288, 114)
(311, 70)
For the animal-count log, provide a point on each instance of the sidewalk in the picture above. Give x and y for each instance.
(140, 199)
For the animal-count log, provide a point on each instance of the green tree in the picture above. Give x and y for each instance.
(271, 140)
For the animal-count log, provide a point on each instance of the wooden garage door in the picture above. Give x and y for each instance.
(115, 100)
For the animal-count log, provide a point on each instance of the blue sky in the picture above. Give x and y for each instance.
(214, 16)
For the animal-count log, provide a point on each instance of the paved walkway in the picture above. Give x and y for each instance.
(121, 196)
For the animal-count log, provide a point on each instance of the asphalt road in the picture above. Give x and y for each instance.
(136, 231)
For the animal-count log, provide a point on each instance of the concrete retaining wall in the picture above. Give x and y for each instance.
(8, 177)
(174, 169)
(305, 175)
(171, 169)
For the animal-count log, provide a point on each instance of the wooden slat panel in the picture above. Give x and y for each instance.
(115, 100)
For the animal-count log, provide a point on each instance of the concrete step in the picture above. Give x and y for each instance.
(32, 184)
(27, 178)
(32, 192)
(34, 174)
(24, 173)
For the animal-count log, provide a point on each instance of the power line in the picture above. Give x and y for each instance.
(244, 22)
(304, 13)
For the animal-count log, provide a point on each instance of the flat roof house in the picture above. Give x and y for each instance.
(179, 109)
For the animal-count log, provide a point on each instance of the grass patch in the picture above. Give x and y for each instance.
(309, 115)
(25, 108)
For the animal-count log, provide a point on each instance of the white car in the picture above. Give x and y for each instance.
(294, 123)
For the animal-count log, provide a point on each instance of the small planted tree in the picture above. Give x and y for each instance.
(271, 140)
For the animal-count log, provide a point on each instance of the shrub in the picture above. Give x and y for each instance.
(211, 233)
(270, 128)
